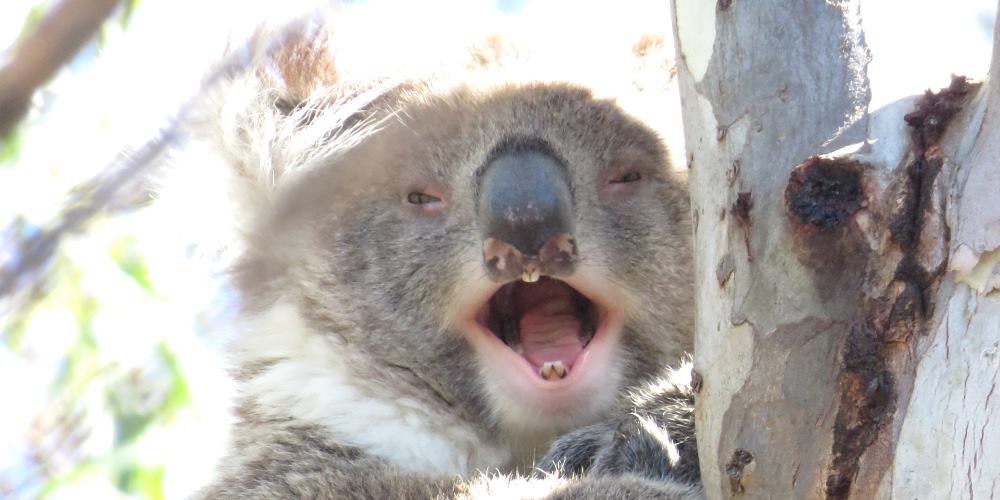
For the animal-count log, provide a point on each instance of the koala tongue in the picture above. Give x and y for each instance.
(549, 327)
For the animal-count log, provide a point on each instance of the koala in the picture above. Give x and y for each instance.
(462, 283)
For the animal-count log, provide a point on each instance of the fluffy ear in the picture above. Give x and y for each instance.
(655, 84)
(262, 125)
(314, 89)
(281, 110)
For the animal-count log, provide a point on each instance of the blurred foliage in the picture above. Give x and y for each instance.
(127, 10)
(33, 19)
(10, 147)
(96, 374)
(90, 388)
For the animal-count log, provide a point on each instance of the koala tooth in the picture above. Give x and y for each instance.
(530, 275)
(552, 370)
(559, 368)
(546, 370)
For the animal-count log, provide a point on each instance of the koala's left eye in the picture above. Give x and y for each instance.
(417, 198)
(627, 178)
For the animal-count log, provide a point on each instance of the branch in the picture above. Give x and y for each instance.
(57, 39)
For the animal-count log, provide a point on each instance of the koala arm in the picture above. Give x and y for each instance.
(654, 438)
(297, 463)
(580, 487)
(365, 481)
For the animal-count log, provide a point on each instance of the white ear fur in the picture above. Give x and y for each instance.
(255, 130)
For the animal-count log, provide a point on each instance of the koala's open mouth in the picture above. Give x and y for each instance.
(549, 350)
(548, 323)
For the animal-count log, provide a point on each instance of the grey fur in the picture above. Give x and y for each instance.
(655, 440)
(374, 286)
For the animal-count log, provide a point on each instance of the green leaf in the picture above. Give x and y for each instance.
(75, 474)
(144, 482)
(125, 253)
(10, 147)
(179, 395)
(127, 10)
(130, 426)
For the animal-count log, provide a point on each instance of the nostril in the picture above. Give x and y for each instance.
(558, 254)
(501, 257)
(505, 262)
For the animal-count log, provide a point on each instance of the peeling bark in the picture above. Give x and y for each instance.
(837, 305)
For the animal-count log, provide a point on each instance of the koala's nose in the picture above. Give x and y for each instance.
(525, 210)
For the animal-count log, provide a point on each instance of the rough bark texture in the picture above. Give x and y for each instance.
(848, 262)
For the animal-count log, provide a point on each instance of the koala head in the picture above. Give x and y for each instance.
(517, 252)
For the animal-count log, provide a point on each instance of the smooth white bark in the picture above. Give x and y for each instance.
(846, 359)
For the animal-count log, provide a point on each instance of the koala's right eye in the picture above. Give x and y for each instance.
(627, 178)
(423, 197)
(417, 198)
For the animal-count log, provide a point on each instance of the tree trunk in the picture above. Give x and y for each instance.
(848, 262)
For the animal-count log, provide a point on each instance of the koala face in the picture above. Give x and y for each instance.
(520, 253)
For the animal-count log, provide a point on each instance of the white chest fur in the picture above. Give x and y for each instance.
(314, 383)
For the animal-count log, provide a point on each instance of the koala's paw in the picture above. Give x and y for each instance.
(626, 486)
(574, 453)
(654, 441)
